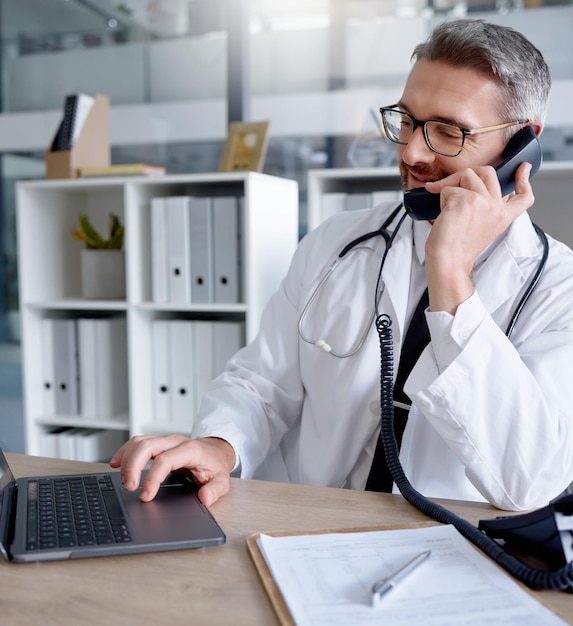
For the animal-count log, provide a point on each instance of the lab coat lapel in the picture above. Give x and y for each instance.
(500, 276)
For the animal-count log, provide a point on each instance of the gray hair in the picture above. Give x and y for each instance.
(500, 52)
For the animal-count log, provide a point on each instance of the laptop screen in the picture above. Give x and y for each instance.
(6, 476)
(6, 489)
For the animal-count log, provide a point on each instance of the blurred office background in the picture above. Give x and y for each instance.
(177, 71)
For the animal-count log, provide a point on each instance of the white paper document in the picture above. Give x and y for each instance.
(326, 579)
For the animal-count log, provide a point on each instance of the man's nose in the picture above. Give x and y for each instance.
(417, 150)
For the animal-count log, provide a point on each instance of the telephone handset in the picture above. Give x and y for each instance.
(523, 147)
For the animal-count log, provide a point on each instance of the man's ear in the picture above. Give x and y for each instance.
(536, 127)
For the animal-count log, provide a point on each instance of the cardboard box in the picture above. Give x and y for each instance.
(91, 148)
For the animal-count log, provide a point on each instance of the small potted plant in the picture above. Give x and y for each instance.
(102, 260)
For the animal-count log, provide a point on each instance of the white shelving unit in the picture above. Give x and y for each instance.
(348, 181)
(552, 186)
(50, 280)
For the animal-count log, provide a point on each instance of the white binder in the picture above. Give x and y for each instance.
(95, 445)
(333, 202)
(395, 195)
(226, 249)
(178, 249)
(112, 387)
(201, 223)
(88, 364)
(48, 441)
(181, 370)
(228, 338)
(66, 366)
(357, 201)
(84, 105)
(48, 381)
(203, 361)
(67, 444)
(159, 269)
(160, 370)
(86, 447)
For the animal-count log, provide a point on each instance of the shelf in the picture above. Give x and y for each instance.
(78, 304)
(119, 423)
(552, 187)
(50, 285)
(215, 309)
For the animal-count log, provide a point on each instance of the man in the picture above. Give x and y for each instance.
(491, 417)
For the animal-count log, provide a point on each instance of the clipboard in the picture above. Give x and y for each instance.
(275, 596)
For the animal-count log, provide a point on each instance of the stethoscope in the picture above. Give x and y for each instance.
(389, 240)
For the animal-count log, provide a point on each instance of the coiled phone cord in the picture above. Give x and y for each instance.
(532, 577)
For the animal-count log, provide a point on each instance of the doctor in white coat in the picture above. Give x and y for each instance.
(491, 416)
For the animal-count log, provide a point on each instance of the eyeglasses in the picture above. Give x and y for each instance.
(441, 137)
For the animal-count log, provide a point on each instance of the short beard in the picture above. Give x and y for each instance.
(424, 172)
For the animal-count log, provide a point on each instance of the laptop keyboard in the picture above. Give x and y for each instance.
(74, 511)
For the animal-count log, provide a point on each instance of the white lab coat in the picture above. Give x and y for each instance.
(496, 424)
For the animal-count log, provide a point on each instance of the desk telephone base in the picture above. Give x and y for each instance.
(546, 534)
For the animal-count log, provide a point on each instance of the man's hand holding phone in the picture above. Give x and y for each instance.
(473, 214)
(523, 147)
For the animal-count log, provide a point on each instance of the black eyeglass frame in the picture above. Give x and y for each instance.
(464, 131)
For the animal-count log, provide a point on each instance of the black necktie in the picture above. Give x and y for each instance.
(416, 339)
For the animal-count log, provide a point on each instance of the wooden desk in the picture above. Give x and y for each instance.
(208, 586)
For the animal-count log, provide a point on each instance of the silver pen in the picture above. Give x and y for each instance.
(382, 587)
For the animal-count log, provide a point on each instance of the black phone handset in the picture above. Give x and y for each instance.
(522, 147)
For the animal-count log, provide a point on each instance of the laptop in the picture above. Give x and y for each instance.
(97, 517)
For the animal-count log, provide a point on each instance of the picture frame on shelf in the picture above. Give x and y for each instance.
(246, 147)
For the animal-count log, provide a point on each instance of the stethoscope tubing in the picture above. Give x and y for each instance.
(389, 240)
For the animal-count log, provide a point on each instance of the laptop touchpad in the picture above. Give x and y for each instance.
(176, 498)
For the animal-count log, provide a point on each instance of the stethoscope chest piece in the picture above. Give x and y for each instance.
(331, 311)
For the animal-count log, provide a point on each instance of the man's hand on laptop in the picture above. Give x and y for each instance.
(210, 461)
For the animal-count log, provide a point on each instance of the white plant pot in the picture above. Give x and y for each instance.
(103, 274)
